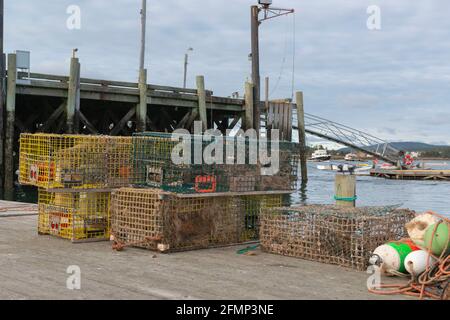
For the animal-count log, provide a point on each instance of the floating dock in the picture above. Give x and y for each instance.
(412, 174)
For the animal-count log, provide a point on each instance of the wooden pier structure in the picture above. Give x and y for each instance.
(72, 104)
(443, 175)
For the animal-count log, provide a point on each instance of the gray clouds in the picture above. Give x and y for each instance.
(392, 83)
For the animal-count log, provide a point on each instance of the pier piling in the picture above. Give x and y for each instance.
(202, 101)
(345, 190)
(141, 110)
(302, 136)
(73, 97)
(248, 123)
(10, 120)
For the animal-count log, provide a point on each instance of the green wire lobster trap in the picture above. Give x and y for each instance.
(213, 165)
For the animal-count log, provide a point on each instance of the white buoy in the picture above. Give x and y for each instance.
(416, 262)
(390, 257)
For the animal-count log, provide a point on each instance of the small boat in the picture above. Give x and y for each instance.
(388, 166)
(351, 157)
(320, 155)
(346, 168)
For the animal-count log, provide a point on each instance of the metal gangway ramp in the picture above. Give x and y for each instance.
(350, 137)
(282, 115)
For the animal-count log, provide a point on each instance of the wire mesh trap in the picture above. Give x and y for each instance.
(334, 235)
(76, 216)
(74, 161)
(157, 220)
(154, 167)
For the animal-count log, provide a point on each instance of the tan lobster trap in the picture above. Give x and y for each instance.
(76, 216)
(334, 235)
(74, 161)
(158, 220)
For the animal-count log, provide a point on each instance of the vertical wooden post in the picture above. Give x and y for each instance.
(302, 136)
(141, 109)
(248, 117)
(10, 119)
(73, 96)
(345, 190)
(2, 112)
(202, 101)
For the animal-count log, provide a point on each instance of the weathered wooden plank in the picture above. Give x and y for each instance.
(115, 90)
(51, 77)
(109, 83)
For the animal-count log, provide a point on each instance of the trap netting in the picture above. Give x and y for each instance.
(213, 164)
(250, 208)
(334, 235)
(77, 216)
(158, 220)
(74, 161)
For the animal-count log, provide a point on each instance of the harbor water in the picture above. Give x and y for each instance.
(371, 191)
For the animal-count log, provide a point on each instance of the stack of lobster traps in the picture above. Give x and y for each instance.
(195, 192)
(75, 175)
(154, 190)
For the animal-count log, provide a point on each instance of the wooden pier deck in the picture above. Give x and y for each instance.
(443, 175)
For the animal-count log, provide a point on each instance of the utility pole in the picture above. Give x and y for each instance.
(2, 98)
(268, 13)
(141, 108)
(186, 61)
(143, 29)
(256, 78)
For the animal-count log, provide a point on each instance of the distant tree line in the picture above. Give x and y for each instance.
(438, 152)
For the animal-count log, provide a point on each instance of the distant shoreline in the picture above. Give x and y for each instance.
(434, 159)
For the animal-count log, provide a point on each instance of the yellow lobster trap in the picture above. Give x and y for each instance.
(74, 161)
(158, 220)
(76, 216)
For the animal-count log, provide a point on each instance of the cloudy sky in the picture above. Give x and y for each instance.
(392, 82)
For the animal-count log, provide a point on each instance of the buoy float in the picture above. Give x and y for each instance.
(440, 243)
(416, 262)
(417, 227)
(391, 256)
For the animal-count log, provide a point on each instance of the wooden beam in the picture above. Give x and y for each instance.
(234, 123)
(192, 117)
(119, 127)
(53, 117)
(87, 123)
(183, 120)
(9, 134)
(202, 101)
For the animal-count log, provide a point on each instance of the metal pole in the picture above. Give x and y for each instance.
(143, 28)
(256, 79)
(2, 97)
(185, 69)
